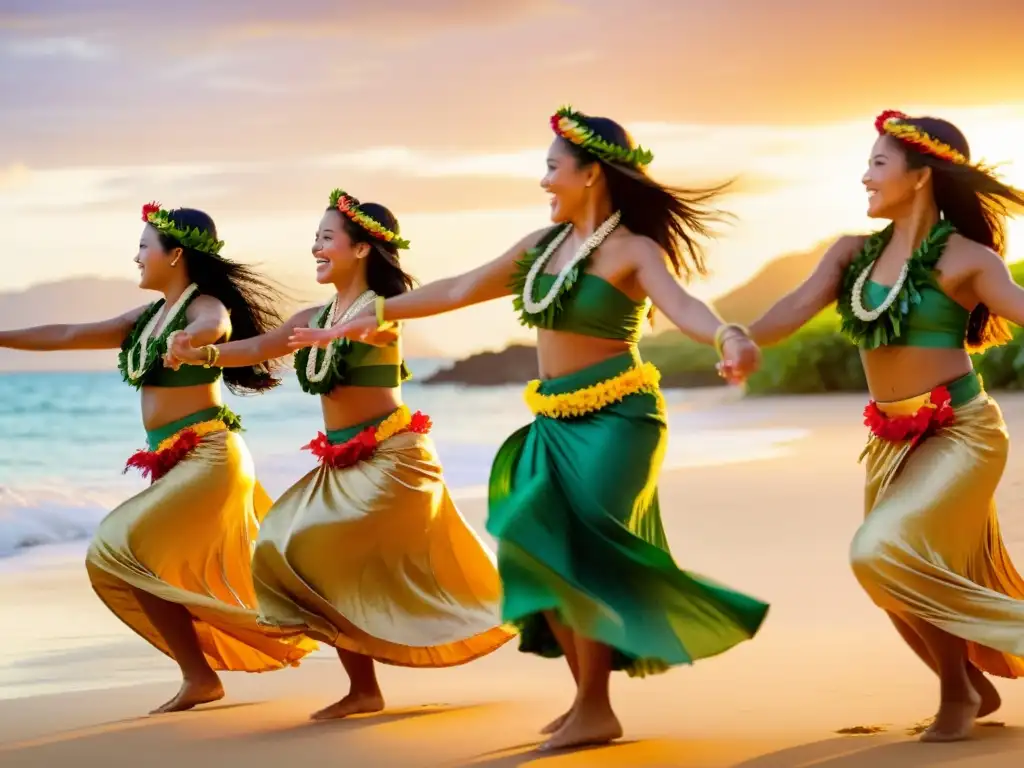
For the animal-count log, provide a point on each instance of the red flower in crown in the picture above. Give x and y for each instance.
(888, 114)
(149, 208)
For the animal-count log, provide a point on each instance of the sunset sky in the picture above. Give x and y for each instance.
(438, 109)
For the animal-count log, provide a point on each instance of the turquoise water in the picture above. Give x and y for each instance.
(64, 438)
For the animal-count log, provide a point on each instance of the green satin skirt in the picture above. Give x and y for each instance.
(574, 507)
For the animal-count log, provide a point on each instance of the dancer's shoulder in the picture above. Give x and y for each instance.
(843, 250)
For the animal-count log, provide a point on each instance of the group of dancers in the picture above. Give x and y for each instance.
(368, 553)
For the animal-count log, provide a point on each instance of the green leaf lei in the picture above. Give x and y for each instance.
(920, 273)
(338, 368)
(157, 345)
(546, 318)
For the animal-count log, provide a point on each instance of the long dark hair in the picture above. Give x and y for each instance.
(675, 218)
(250, 300)
(974, 201)
(384, 273)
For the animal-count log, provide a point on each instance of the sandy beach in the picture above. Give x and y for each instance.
(825, 662)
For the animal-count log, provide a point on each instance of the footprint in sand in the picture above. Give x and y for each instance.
(862, 730)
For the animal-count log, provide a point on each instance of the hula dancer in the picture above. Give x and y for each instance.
(583, 558)
(173, 561)
(367, 552)
(917, 297)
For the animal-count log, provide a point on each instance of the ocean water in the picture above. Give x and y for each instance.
(64, 438)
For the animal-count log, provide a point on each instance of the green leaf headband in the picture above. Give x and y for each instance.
(348, 206)
(572, 126)
(191, 237)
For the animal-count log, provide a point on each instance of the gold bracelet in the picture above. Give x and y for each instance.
(378, 306)
(212, 355)
(723, 330)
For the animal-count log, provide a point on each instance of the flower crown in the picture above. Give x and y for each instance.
(348, 206)
(572, 127)
(897, 125)
(191, 237)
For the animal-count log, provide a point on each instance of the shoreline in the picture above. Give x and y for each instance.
(826, 660)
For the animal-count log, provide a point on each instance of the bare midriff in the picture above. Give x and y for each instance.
(163, 405)
(347, 406)
(898, 373)
(560, 353)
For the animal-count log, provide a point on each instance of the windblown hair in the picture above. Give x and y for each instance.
(251, 301)
(975, 201)
(384, 273)
(676, 219)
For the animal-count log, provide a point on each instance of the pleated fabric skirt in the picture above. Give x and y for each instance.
(188, 539)
(930, 545)
(376, 559)
(574, 507)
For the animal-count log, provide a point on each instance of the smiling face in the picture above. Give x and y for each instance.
(337, 256)
(156, 264)
(569, 182)
(891, 184)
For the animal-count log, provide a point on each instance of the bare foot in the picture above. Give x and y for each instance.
(990, 700)
(192, 694)
(954, 721)
(585, 727)
(353, 704)
(558, 722)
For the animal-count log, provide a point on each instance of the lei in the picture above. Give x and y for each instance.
(572, 126)
(542, 313)
(190, 237)
(934, 414)
(158, 462)
(365, 443)
(349, 206)
(146, 343)
(878, 327)
(320, 375)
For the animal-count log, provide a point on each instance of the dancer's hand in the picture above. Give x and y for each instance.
(740, 358)
(363, 329)
(180, 350)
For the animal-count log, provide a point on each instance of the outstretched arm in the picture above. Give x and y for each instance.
(186, 348)
(105, 334)
(491, 281)
(740, 357)
(801, 305)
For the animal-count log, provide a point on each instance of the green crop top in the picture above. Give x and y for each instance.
(150, 370)
(587, 304)
(935, 322)
(352, 364)
(921, 314)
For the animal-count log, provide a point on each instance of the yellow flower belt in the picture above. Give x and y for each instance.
(643, 378)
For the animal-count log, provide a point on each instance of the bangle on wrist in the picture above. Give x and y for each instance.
(728, 329)
(212, 355)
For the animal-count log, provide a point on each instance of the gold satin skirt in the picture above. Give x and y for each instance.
(375, 558)
(930, 546)
(188, 539)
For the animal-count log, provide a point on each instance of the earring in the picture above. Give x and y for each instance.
(588, 184)
(175, 262)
